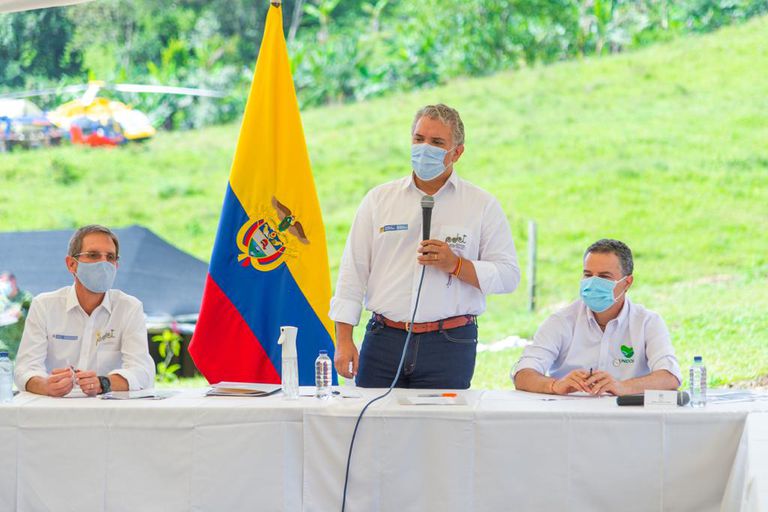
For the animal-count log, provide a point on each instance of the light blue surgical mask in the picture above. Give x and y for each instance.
(597, 292)
(5, 289)
(428, 161)
(97, 277)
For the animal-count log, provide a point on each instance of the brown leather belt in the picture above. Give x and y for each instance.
(420, 328)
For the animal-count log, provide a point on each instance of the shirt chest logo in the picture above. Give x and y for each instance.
(628, 352)
(457, 242)
(101, 336)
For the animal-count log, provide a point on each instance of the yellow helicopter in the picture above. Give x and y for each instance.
(97, 121)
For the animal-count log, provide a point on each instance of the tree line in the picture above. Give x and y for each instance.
(341, 50)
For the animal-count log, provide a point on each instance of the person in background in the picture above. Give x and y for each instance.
(88, 334)
(14, 305)
(603, 343)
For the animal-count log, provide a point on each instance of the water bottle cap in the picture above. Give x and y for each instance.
(697, 359)
(3, 353)
(323, 352)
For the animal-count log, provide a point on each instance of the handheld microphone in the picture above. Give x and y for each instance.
(427, 203)
(639, 399)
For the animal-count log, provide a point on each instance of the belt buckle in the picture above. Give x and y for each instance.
(407, 326)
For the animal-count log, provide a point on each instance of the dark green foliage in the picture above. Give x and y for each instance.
(341, 50)
(37, 43)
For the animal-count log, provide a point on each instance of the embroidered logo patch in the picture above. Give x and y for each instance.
(457, 242)
(104, 336)
(65, 337)
(393, 227)
(628, 353)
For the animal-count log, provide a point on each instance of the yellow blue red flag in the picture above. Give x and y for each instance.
(269, 265)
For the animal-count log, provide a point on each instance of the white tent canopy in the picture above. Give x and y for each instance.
(27, 5)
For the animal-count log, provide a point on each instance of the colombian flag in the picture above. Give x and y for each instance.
(269, 265)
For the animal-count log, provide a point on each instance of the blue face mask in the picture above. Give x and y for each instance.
(427, 161)
(96, 277)
(6, 288)
(597, 292)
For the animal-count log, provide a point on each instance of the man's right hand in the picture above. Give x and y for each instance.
(60, 382)
(574, 381)
(346, 352)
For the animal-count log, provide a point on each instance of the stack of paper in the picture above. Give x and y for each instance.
(243, 389)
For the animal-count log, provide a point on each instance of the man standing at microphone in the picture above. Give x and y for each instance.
(468, 255)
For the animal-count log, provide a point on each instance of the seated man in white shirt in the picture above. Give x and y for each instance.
(86, 334)
(603, 343)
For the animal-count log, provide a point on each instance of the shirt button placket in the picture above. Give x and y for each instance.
(87, 344)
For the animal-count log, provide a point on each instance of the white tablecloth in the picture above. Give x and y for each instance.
(748, 484)
(501, 451)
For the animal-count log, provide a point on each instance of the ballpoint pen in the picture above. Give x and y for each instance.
(74, 372)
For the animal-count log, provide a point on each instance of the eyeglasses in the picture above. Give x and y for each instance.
(97, 256)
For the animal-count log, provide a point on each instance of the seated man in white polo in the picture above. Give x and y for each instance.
(603, 343)
(86, 334)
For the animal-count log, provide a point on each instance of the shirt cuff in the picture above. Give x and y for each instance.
(527, 364)
(133, 382)
(345, 311)
(21, 382)
(669, 363)
(487, 276)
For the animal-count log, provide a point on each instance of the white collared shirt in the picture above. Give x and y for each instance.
(112, 340)
(634, 344)
(379, 265)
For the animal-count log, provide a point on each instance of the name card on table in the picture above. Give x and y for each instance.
(658, 399)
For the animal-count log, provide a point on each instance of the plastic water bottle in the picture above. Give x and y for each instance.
(6, 378)
(323, 375)
(698, 381)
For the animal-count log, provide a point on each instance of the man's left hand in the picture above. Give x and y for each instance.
(603, 382)
(436, 253)
(88, 382)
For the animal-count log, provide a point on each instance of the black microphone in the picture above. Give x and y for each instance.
(427, 203)
(639, 399)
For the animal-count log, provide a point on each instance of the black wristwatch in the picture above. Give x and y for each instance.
(106, 386)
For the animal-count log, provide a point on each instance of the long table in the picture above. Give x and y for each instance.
(503, 450)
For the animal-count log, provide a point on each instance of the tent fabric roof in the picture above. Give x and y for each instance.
(167, 280)
(28, 5)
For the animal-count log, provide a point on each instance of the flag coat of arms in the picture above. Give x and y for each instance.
(269, 265)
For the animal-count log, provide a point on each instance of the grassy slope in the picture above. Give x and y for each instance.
(664, 148)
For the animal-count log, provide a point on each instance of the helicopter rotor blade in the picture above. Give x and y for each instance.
(167, 89)
(44, 92)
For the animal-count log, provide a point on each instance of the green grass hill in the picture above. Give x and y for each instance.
(665, 148)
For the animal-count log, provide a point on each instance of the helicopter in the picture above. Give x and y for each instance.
(98, 121)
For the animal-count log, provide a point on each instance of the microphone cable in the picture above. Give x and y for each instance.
(387, 392)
